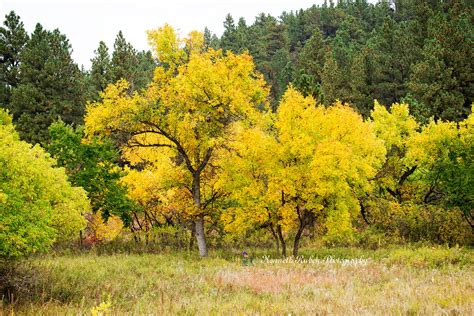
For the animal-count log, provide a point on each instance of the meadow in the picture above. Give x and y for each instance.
(392, 281)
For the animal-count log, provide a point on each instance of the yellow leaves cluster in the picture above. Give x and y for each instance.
(410, 145)
(311, 157)
(3, 197)
(395, 126)
(435, 140)
(239, 220)
(160, 188)
(195, 42)
(334, 149)
(209, 91)
(167, 46)
(339, 227)
(113, 112)
(104, 230)
(431, 143)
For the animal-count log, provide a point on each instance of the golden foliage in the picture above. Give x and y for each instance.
(100, 230)
(178, 127)
(311, 158)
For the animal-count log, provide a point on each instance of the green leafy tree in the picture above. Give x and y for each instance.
(93, 166)
(38, 205)
(416, 197)
(445, 152)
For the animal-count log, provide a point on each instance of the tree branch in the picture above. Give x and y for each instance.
(179, 147)
(205, 161)
(405, 175)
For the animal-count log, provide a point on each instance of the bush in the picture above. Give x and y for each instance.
(413, 223)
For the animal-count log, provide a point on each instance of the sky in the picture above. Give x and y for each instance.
(87, 22)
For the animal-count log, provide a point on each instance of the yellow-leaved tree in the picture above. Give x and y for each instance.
(309, 160)
(395, 127)
(182, 119)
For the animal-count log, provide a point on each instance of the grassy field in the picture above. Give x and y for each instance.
(396, 281)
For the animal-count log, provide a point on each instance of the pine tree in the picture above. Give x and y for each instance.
(144, 69)
(396, 48)
(332, 80)
(311, 57)
(276, 38)
(101, 74)
(124, 60)
(442, 82)
(360, 82)
(229, 37)
(13, 39)
(296, 28)
(210, 39)
(51, 86)
(242, 36)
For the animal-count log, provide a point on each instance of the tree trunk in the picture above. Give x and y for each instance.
(275, 236)
(282, 241)
(296, 244)
(199, 222)
(80, 239)
(193, 233)
(363, 212)
(201, 240)
(305, 218)
(467, 217)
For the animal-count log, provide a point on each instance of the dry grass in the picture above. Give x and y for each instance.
(372, 289)
(183, 284)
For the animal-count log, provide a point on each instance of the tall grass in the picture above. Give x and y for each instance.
(396, 281)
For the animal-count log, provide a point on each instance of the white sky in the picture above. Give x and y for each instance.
(87, 22)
